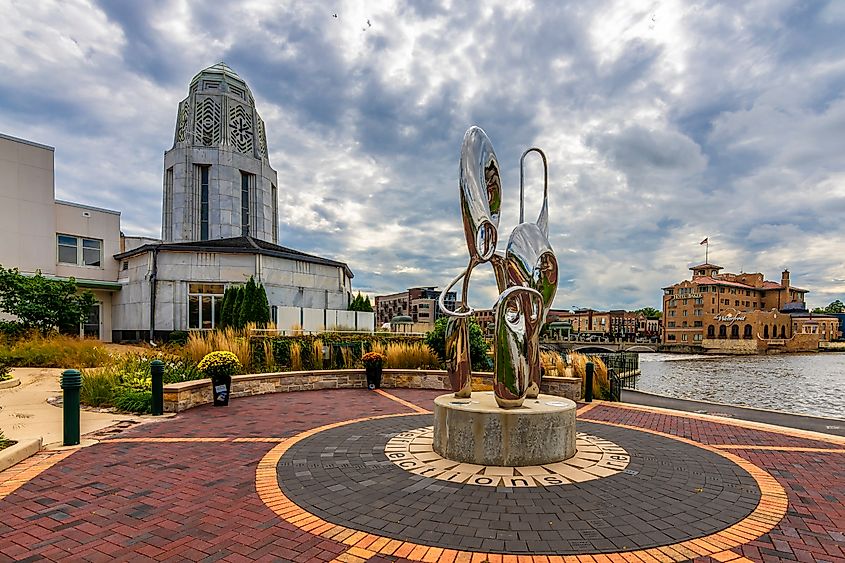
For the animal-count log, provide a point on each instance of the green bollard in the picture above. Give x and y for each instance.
(588, 383)
(71, 383)
(157, 376)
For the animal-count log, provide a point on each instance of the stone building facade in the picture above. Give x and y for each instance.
(714, 311)
(218, 182)
(219, 228)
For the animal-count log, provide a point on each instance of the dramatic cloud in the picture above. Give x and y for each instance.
(664, 122)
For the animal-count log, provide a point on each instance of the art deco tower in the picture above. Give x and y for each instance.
(218, 182)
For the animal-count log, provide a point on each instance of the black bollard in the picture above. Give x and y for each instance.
(71, 383)
(157, 376)
(588, 383)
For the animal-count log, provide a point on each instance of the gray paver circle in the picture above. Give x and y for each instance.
(670, 492)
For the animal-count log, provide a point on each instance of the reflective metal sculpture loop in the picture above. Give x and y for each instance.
(526, 276)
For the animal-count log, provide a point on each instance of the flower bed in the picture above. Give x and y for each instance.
(182, 396)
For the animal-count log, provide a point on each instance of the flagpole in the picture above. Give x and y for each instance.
(706, 251)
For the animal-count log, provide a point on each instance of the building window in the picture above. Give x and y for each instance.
(204, 303)
(274, 193)
(79, 251)
(697, 337)
(247, 181)
(274, 314)
(125, 265)
(670, 337)
(202, 173)
(684, 337)
(697, 324)
(168, 205)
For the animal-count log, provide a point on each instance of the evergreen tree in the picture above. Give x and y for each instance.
(237, 306)
(262, 311)
(226, 308)
(359, 303)
(246, 313)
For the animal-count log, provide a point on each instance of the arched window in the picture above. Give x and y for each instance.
(711, 331)
(783, 331)
(735, 331)
(747, 331)
(774, 331)
(723, 331)
(766, 331)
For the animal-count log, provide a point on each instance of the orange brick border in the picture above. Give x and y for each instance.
(19, 474)
(362, 545)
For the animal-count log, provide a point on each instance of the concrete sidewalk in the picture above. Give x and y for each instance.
(25, 413)
(832, 426)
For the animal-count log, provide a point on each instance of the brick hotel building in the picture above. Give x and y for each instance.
(741, 313)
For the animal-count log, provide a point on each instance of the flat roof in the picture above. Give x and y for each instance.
(25, 142)
(236, 245)
(83, 206)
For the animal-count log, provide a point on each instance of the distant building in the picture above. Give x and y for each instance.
(417, 303)
(712, 309)
(583, 321)
(219, 227)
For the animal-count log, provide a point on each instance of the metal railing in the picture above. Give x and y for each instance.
(619, 382)
(620, 362)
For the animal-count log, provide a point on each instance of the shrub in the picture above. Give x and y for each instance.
(179, 337)
(101, 387)
(133, 400)
(11, 331)
(5, 369)
(5, 442)
(98, 388)
(219, 364)
(436, 340)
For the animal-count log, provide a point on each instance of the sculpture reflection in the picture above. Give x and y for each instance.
(526, 276)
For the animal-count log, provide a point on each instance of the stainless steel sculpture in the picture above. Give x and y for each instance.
(526, 275)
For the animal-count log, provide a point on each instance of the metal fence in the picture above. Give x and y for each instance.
(622, 363)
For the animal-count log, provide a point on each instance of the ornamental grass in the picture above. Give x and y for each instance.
(410, 355)
(236, 341)
(601, 381)
(54, 351)
(554, 364)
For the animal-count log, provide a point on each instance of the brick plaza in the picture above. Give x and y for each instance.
(303, 477)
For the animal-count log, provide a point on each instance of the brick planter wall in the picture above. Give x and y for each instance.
(182, 396)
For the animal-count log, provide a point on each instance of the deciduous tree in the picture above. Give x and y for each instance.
(43, 304)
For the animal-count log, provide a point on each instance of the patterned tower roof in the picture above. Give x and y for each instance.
(220, 112)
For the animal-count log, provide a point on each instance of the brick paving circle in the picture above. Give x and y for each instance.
(670, 492)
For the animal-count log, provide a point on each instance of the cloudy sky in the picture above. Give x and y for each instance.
(664, 122)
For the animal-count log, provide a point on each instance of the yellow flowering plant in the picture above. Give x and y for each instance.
(373, 359)
(219, 364)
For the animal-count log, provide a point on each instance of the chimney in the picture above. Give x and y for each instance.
(784, 279)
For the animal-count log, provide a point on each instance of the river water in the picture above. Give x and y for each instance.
(796, 383)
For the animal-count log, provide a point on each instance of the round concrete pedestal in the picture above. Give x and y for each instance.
(477, 431)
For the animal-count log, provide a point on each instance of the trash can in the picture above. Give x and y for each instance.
(221, 386)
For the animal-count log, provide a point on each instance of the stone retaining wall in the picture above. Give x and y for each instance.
(182, 396)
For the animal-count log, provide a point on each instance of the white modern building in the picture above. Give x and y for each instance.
(219, 227)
